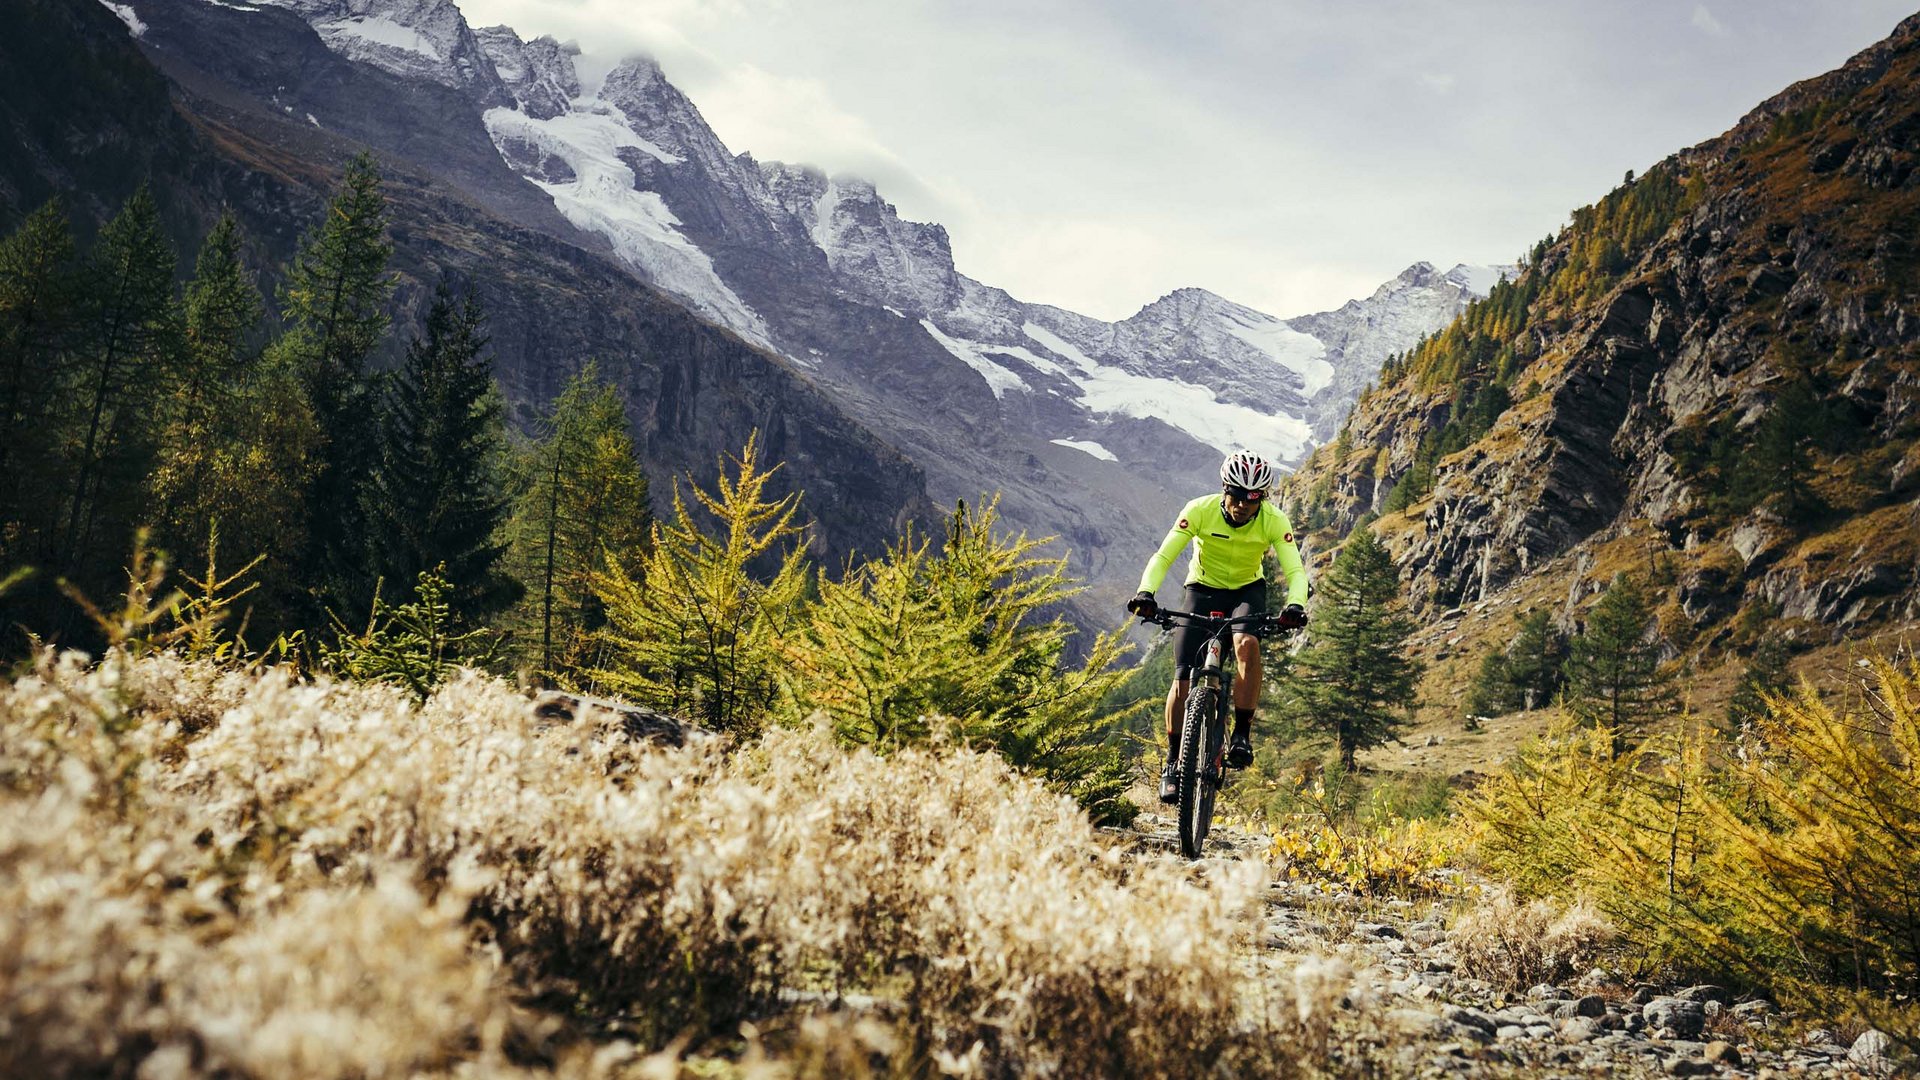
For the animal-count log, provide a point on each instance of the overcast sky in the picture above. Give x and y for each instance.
(1289, 155)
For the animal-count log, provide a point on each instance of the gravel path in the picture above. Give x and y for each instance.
(1450, 1025)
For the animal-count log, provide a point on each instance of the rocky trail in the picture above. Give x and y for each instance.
(1436, 1022)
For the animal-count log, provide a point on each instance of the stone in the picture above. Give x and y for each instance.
(1508, 1032)
(1705, 992)
(1472, 1018)
(1579, 1029)
(1749, 1011)
(1683, 1018)
(1869, 1051)
(1644, 994)
(1686, 1066)
(1721, 1052)
(1546, 992)
(1591, 1005)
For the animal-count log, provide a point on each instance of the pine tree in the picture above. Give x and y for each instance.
(695, 633)
(129, 358)
(1355, 681)
(1535, 661)
(333, 302)
(436, 501)
(1492, 693)
(1614, 681)
(1766, 676)
(583, 504)
(39, 291)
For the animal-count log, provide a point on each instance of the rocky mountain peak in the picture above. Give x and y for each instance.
(540, 73)
(421, 39)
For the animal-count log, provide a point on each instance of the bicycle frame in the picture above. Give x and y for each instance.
(1200, 759)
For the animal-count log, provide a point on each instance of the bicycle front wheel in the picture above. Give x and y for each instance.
(1197, 753)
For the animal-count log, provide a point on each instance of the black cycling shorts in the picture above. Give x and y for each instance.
(1188, 640)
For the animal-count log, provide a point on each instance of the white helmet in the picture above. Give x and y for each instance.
(1246, 469)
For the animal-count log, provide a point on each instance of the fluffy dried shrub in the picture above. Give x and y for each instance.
(204, 871)
(1514, 945)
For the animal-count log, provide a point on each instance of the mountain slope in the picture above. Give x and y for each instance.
(693, 391)
(1712, 376)
(1090, 431)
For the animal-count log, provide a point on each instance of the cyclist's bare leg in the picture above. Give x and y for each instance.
(1176, 708)
(1246, 686)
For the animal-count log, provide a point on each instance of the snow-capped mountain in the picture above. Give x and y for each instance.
(1089, 430)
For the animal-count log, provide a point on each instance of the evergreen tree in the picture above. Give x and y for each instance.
(1492, 693)
(1614, 681)
(129, 359)
(222, 309)
(696, 633)
(1535, 661)
(583, 504)
(38, 295)
(1356, 683)
(1766, 675)
(436, 501)
(333, 303)
(1524, 675)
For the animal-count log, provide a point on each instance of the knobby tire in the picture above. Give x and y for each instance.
(1199, 747)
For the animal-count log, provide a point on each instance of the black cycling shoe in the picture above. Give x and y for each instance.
(1169, 786)
(1240, 753)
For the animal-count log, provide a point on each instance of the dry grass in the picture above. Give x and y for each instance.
(207, 872)
(1515, 946)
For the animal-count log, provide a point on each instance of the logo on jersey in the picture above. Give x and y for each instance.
(1183, 523)
(1287, 539)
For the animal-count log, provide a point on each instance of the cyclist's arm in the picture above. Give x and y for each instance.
(1170, 549)
(1291, 566)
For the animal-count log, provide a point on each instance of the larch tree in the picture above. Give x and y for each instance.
(696, 631)
(128, 360)
(583, 505)
(1356, 682)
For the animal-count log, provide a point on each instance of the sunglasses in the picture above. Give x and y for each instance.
(1245, 494)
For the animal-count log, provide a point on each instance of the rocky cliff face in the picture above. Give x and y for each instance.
(1711, 376)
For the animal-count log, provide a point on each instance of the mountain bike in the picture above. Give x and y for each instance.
(1200, 760)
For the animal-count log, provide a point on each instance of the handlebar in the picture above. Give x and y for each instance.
(1268, 622)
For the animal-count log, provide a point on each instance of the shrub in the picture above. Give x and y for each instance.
(1515, 945)
(241, 873)
(1789, 870)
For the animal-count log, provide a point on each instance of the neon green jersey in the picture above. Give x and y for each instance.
(1226, 557)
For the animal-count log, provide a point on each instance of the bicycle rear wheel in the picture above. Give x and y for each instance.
(1199, 755)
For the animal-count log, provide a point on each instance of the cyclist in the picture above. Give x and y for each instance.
(1231, 533)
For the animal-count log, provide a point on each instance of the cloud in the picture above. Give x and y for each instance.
(1704, 20)
(1439, 82)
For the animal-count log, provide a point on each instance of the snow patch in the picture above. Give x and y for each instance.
(601, 198)
(312, 121)
(381, 30)
(127, 16)
(1189, 408)
(1086, 447)
(1300, 353)
(232, 6)
(1478, 280)
(999, 379)
(896, 311)
(1059, 346)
